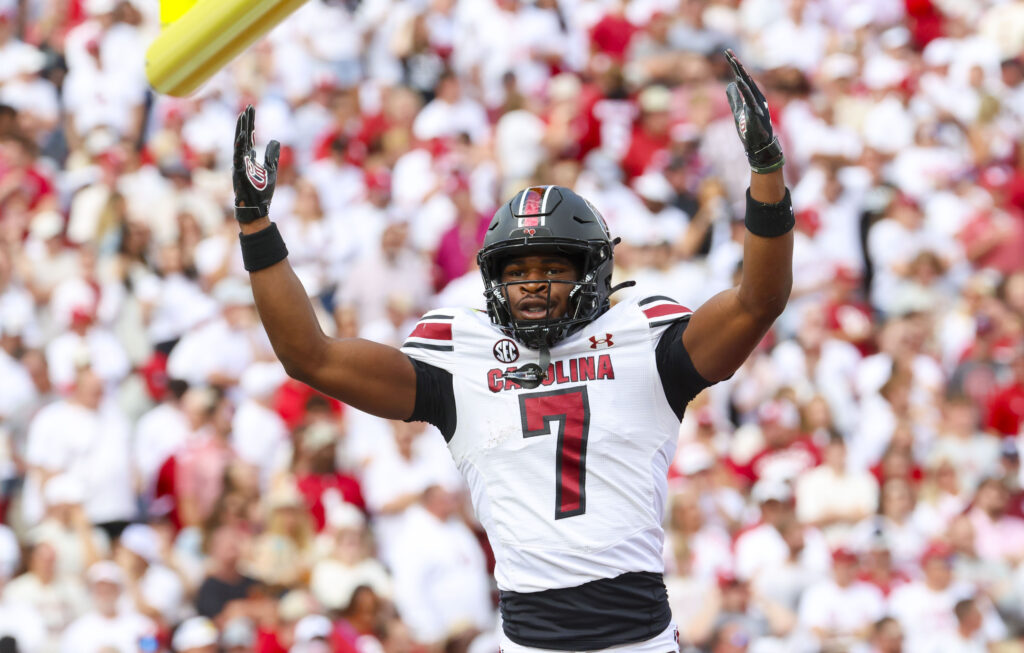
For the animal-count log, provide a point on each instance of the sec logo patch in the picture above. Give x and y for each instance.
(506, 351)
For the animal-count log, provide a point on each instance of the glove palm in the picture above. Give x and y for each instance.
(254, 182)
(753, 122)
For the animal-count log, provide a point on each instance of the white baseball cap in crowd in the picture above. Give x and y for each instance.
(105, 571)
(342, 515)
(143, 541)
(240, 631)
(771, 490)
(195, 632)
(694, 459)
(27, 61)
(653, 187)
(311, 627)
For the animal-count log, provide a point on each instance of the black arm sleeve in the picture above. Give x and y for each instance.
(679, 378)
(435, 399)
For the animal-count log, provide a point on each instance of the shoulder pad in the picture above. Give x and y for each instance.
(661, 310)
(433, 331)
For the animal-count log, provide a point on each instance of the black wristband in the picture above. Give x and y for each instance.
(263, 248)
(769, 220)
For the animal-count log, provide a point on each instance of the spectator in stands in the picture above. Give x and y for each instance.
(108, 625)
(841, 610)
(1006, 407)
(58, 600)
(224, 582)
(833, 498)
(81, 437)
(439, 569)
(998, 536)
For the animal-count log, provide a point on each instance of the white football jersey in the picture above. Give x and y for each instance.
(569, 479)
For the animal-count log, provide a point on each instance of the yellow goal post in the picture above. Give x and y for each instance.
(202, 36)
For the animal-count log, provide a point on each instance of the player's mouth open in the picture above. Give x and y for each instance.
(534, 309)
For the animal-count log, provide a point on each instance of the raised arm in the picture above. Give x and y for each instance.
(726, 328)
(372, 377)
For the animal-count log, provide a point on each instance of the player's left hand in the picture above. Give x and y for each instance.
(254, 182)
(753, 123)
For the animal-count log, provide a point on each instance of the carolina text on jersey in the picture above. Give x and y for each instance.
(573, 370)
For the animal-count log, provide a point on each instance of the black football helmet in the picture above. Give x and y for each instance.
(548, 219)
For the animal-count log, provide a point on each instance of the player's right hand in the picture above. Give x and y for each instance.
(253, 182)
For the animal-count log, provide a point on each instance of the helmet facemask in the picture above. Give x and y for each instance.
(585, 302)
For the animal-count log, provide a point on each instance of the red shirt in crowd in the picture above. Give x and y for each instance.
(787, 462)
(291, 402)
(313, 487)
(612, 35)
(1006, 410)
(646, 150)
(1004, 254)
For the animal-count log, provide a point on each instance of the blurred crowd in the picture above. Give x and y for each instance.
(164, 486)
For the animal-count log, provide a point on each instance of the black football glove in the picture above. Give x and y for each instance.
(254, 183)
(754, 125)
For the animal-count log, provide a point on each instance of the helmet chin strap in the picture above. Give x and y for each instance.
(530, 375)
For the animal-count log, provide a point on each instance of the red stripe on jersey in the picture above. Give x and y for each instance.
(664, 309)
(433, 330)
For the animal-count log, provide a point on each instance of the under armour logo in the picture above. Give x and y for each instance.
(601, 343)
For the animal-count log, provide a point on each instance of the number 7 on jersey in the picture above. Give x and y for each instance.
(570, 407)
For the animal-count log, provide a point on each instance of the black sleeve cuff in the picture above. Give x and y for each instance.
(679, 378)
(435, 399)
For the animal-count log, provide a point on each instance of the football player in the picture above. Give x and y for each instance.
(560, 410)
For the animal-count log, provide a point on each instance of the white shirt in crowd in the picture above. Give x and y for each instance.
(93, 447)
(57, 603)
(822, 492)
(261, 438)
(159, 433)
(24, 624)
(763, 547)
(440, 119)
(98, 347)
(71, 554)
(440, 575)
(390, 476)
(16, 388)
(179, 304)
(927, 616)
(841, 610)
(163, 590)
(92, 633)
(215, 348)
(710, 553)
